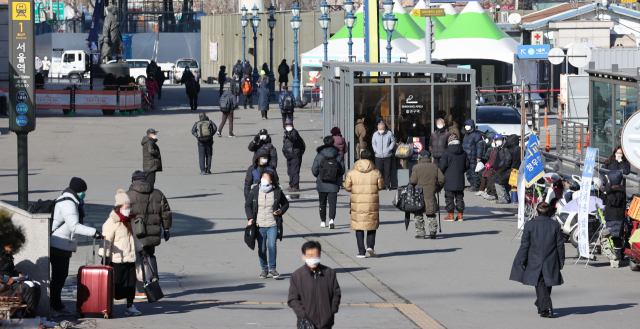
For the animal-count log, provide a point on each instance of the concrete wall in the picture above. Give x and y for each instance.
(227, 32)
(596, 33)
(4, 43)
(626, 58)
(33, 257)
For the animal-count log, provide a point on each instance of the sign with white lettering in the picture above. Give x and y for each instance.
(22, 108)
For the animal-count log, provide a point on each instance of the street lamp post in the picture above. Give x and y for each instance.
(272, 24)
(255, 22)
(325, 22)
(244, 21)
(295, 25)
(389, 22)
(349, 21)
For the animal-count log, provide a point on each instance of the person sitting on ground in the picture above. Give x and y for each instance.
(263, 140)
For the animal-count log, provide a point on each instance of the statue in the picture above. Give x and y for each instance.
(111, 42)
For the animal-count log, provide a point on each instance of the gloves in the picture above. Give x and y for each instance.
(256, 139)
(167, 235)
(487, 166)
(98, 235)
(143, 254)
(561, 266)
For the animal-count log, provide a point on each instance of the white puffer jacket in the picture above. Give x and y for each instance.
(121, 247)
(66, 220)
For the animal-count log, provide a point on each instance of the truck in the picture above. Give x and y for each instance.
(74, 65)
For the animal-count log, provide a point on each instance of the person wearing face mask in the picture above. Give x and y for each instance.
(453, 165)
(186, 75)
(383, 143)
(151, 159)
(156, 217)
(438, 141)
(509, 159)
(488, 191)
(263, 140)
(293, 148)
(63, 242)
(328, 188)
(615, 201)
(617, 161)
(264, 207)
(473, 145)
(314, 292)
(261, 164)
(120, 247)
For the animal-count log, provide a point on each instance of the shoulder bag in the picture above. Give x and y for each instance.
(152, 287)
(141, 223)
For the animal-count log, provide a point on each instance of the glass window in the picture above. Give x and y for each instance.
(601, 128)
(453, 103)
(131, 64)
(190, 64)
(373, 102)
(494, 115)
(142, 64)
(69, 58)
(625, 105)
(412, 116)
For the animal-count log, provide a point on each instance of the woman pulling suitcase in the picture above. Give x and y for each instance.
(121, 244)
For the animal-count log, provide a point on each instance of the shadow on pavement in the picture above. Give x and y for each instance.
(213, 290)
(416, 252)
(560, 312)
(30, 192)
(307, 235)
(465, 234)
(193, 196)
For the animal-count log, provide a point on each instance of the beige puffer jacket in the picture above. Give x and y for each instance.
(364, 182)
(121, 247)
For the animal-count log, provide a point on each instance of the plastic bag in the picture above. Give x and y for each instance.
(479, 166)
(404, 151)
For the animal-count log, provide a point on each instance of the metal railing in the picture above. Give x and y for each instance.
(571, 136)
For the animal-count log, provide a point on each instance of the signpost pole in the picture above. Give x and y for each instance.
(427, 35)
(23, 171)
(522, 121)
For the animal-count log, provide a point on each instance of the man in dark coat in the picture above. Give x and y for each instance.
(255, 171)
(148, 202)
(540, 258)
(263, 140)
(453, 164)
(237, 70)
(160, 81)
(222, 78)
(192, 88)
(430, 179)
(438, 141)
(205, 142)
(151, 160)
(328, 190)
(283, 71)
(247, 70)
(263, 96)
(293, 148)
(232, 103)
(314, 291)
(473, 145)
(509, 159)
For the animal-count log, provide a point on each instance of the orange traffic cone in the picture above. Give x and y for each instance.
(579, 147)
(586, 144)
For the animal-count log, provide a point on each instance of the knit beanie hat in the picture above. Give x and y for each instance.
(122, 198)
(453, 137)
(77, 185)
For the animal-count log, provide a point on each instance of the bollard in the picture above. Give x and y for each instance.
(586, 144)
(548, 143)
(514, 195)
(545, 119)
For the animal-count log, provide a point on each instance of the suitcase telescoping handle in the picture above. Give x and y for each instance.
(94, 251)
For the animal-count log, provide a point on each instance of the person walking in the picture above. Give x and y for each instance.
(328, 168)
(263, 96)
(160, 78)
(615, 202)
(338, 141)
(509, 156)
(65, 228)
(431, 180)
(488, 191)
(222, 78)
(263, 140)
(287, 104)
(247, 91)
(150, 206)
(439, 141)
(383, 143)
(151, 157)
(204, 130)
(247, 70)
(193, 89)
(540, 258)
(46, 65)
(261, 164)
(264, 207)
(293, 148)
(454, 163)
(473, 145)
(361, 134)
(236, 89)
(120, 247)
(283, 71)
(228, 103)
(314, 292)
(237, 70)
(152, 88)
(187, 75)
(364, 181)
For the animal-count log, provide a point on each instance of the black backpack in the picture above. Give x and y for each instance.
(329, 170)
(288, 103)
(46, 207)
(225, 103)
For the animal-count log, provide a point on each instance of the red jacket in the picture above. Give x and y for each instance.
(152, 87)
(339, 142)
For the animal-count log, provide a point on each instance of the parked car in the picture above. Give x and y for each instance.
(503, 120)
(181, 64)
(137, 69)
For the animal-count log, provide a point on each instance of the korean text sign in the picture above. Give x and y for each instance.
(22, 115)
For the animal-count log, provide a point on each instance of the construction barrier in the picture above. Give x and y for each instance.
(124, 100)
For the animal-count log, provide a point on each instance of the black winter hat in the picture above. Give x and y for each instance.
(77, 185)
(137, 175)
(263, 132)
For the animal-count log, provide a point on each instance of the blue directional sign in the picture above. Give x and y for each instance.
(21, 108)
(534, 51)
(21, 96)
(21, 120)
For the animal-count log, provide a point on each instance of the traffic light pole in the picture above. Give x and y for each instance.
(427, 35)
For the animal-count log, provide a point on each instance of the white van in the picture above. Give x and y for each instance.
(137, 69)
(181, 64)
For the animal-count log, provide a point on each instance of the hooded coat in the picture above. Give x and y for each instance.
(509, 158)
(222, 75)
(283, 71)
(615, 203)
(430, 179)
(541, 251)
(66, 223)
(438, 142)
(453, 164)
(119, 245)
(327, 152)
(364, 182)
(340, 143)
(237, 69)
(264, 144)
(454, 129)
(159, 216)
(150, 155)
(247, 69)
(263, 96)
(472, 143)
(255, 171)
(361, 133)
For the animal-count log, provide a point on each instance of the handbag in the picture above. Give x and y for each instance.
(140, 271)
(414, 199)
(141, 223)
(152, 287)
(404, 151)
(513, 178)
(398, 199)
(250, 236)
(305, 323)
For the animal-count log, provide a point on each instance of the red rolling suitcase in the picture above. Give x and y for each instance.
(95, 289)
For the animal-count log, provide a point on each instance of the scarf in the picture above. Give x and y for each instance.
(454, 142)
(124, 219)
(266, 189)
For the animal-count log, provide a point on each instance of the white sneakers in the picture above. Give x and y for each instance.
(331, 226)
(323, 224)
(372, 252)
(361, 256)
(132, 310)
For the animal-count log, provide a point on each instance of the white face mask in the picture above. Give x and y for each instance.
(264, 182)
(125, 212)
(263, 137)
(498, 143)
(618, 156)
(289, 128)
(154, 137)
(264, 161)
(312, 261)
(381, 132)
(467, 128)
(440, 126)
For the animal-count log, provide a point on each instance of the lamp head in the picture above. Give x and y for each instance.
(387, 6)
(348, 6)
(350, 20)
(324, 22)
(295, 10)
(324, 8)
(254, 10)
(296, 22)
(244, 11)
(272, 10)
